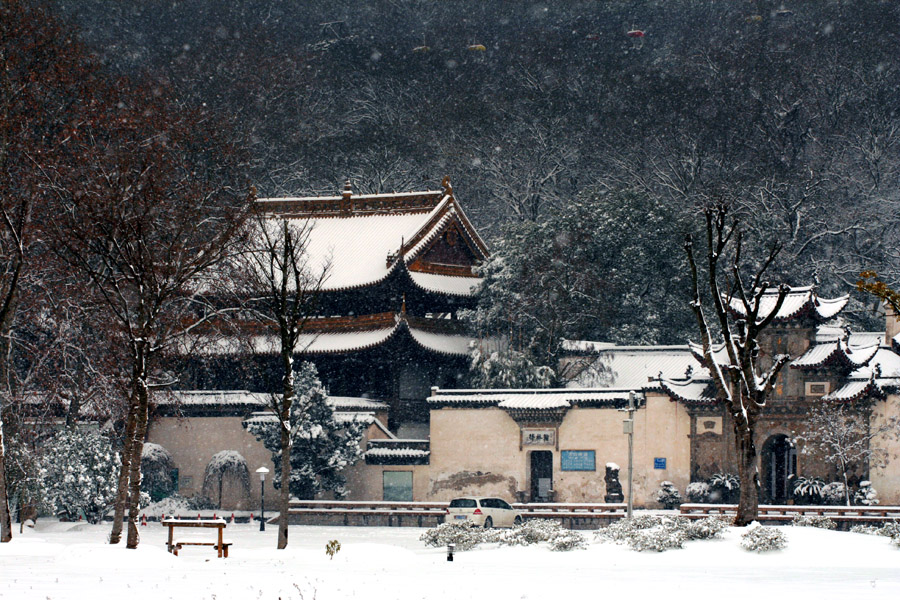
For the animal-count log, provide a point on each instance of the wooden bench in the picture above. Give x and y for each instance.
(173, 545)
(842, 515)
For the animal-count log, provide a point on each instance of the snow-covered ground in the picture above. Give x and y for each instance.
(66, 560)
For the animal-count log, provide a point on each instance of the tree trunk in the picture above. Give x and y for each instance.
(287, 446)
(122, 487)
(5, 518)
(134, 477)
(748, 472)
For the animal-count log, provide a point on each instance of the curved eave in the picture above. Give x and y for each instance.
(799, 302)
(816, 358)
(692, 393)
(856, 390)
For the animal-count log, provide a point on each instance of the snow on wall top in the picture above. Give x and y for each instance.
(800, 300)
(535, 399)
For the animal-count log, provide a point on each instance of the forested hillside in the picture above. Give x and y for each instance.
(786, 110)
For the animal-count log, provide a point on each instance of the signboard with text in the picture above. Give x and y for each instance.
(538, 437)
(578, 460)
(659, 463)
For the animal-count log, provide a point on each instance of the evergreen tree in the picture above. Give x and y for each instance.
(584, 274)
(322, 446)
(79, 474)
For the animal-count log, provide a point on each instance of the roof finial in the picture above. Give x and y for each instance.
(445, 183)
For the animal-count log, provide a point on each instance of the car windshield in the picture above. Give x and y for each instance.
(462, 503)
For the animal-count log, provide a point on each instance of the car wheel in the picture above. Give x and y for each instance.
(518, 521)
(488, 523)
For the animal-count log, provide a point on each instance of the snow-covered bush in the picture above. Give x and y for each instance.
(668, 495)
(724, 488)
(866, 494)
(464, 536)
(157, 468)
(834, 493)
(763, 539)
(697, 492)
(813, 521)
(891, 529)
(535, 531)
(708, 528)
(221, 465)
(322, 446)
(650, 532)
(79, 474)
(808, 490)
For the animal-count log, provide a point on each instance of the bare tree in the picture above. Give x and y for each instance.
(280, 286)
(842, 434)
(156, 206)
(740, 379)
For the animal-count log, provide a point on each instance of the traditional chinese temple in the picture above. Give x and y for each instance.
(399, 268)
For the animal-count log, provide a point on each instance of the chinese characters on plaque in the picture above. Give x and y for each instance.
(538, 437)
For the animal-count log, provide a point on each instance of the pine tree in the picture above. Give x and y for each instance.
(79, 473)
(322, 446)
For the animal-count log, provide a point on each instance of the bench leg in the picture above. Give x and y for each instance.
(175, 550)
(226, 551)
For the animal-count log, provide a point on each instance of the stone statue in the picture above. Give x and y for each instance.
(613, 487)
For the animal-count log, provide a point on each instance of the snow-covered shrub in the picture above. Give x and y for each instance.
(697, 492)
(708, 528)
(813, 521)
(834, 493)
(467, 535)
(808, 490)
(79, 474)
(221, 465)
(866, 529)
(648, 532)
(724, 488)
(157, 468)
(668, 495)
(464, 536)
(763, 539)
(322, 446)
(568, 540)
(866, 494)
(536, 531)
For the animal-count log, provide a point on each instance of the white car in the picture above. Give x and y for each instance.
(483, 512)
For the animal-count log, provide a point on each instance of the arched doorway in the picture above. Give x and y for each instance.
(779, 466)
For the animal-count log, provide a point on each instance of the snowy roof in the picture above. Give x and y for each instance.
(690, 391)
(397, 451)
(835, 353)
(831, 333)
(211, 398)
(446, 284)
(348, 403)
(799, 301)
(633, 367)
(351, 334)
(532, 399)
(863, 388)
(365, 238)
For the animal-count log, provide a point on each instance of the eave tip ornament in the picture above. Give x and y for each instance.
(445, 183)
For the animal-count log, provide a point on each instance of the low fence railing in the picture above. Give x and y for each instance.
(775, 513)
(429, 514)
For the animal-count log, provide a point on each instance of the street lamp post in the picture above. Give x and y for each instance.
(262, 497)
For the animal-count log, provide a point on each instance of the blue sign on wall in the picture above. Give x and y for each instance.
(659, 463)
(578, 460)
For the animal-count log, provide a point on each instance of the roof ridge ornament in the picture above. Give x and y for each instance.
(445, 183)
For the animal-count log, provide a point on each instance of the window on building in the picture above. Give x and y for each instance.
(398, 486)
